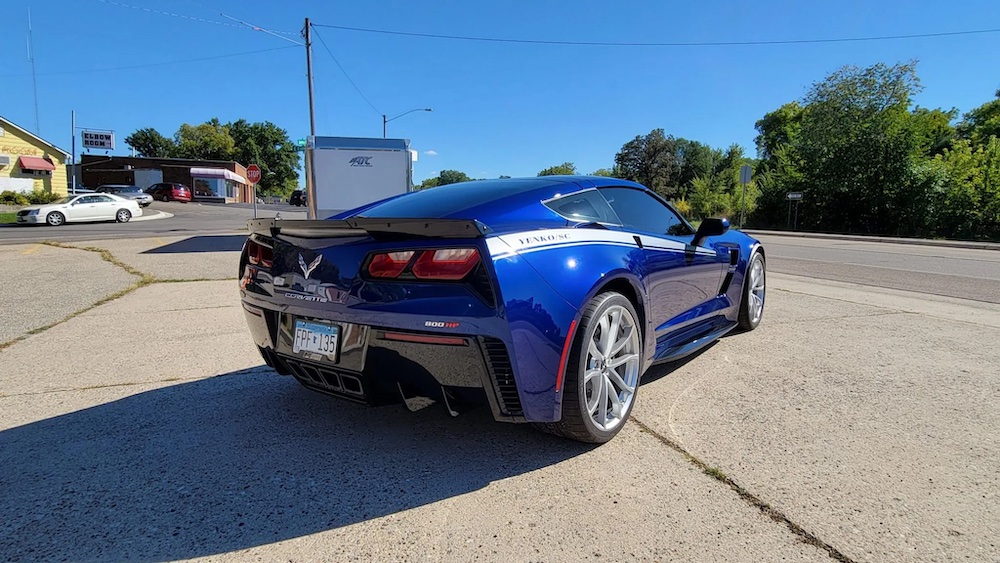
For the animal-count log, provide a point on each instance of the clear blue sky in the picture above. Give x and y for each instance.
(498, 108)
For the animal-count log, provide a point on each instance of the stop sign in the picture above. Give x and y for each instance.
(253, 173)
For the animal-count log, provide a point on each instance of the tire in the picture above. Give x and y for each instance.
(752, 303)
(585, 417)
(55, 219)
(123, 216)
(166, 198)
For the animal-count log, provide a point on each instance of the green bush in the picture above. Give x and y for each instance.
(684, 208)
(8, 197)
(39, 197)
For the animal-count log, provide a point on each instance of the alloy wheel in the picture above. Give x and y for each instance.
(612, 367)
(756, 294)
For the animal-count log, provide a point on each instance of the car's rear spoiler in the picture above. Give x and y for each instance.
(304, 228)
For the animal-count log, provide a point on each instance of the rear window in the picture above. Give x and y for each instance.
(444, 201)
(584, 207)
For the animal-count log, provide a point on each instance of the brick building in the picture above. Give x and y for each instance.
(209, 180)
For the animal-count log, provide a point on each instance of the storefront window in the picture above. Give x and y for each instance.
(210, 187)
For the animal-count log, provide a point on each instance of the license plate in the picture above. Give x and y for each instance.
(316, 338)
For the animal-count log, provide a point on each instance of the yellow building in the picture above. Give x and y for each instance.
(29, 163)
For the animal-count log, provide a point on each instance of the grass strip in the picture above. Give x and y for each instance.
(750, 498)
(144, 280)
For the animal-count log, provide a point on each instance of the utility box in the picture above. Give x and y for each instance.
(347, 172)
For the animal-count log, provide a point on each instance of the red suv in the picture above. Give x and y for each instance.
(170, 192)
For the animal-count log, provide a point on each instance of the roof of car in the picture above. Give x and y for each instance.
(502, 204)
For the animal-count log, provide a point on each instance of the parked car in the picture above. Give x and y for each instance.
(544, 298)
(86, 207)
(298, 198)
(170, 192)
(127, 192)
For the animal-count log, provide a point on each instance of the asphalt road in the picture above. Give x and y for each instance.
(188, 218)
(953, 272)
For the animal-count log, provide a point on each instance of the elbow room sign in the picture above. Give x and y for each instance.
(101, 140)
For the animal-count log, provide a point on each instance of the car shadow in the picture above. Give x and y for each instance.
(238, 461)
(205, 243)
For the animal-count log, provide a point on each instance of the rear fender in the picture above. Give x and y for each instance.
(558, 280)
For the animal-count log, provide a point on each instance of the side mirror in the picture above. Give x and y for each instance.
(711, 227)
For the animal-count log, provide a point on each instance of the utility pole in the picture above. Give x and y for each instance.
(310, 181)
(34, 81)
(72, 134)
(309, 76)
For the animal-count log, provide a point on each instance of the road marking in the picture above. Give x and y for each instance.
(34, 248)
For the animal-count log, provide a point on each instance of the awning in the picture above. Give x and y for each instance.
(35, 163)
(217, 173)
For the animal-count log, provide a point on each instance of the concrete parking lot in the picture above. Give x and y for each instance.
(857, 423)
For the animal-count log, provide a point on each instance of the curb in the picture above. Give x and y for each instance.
(892, 240)
(152, 216)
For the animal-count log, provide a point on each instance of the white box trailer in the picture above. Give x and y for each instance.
(146, 177)
(347, 172)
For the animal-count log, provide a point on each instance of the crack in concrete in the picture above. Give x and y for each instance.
(748, 497)
(106, 255)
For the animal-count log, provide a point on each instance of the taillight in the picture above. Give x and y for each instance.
(445, 264)
(389, 265)
(260, 255)
(448, 264)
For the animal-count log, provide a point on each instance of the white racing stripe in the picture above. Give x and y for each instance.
(524, 242)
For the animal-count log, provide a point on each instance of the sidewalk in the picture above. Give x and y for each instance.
(894, 240)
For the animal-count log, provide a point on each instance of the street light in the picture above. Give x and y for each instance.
(385, 121)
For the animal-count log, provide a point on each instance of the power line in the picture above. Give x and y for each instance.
(192, 18)
(360, 93)
(667, 44)
(148, 65)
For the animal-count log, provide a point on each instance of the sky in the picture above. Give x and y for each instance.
(499, 108)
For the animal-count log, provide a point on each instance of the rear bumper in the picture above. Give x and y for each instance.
(383, 365)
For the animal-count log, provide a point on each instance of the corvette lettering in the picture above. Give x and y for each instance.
(300, 297)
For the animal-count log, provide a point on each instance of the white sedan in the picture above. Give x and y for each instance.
(85, 207)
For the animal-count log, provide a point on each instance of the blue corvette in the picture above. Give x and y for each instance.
(545, 298)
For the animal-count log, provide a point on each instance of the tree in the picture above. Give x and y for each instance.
(651, 160)
(778, 128)
(564, 169)
(446, 177)
(606, 172)
(981, 123)
(208, 141)
(855, 144)
(148, 142)
(696, 160)
(970, 206)
(268, 146)
(428, 183)
(933, 130)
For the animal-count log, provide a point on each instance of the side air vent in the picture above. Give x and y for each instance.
(502, 373)
(734, 259)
